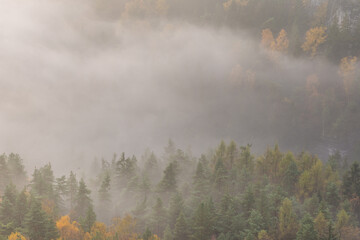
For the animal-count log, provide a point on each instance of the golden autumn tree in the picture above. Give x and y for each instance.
(99, 231)
(162, 7)
(16, 236)
(342, 221)
(68, 230)
(347, 73)
(288, 225)
(124, 228)
(311, 181)
(321, 226)
(263, 235)
(267, 38)
(281, 43)
(313, 39)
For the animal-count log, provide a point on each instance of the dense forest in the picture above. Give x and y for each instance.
(227, 193)
(81, 80)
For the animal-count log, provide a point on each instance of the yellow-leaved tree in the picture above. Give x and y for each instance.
(313, 39)
(68, 230)
(267, 38)
(99, 231)
(288, 225)
(124, 228)
(281, 44)
(347, 73)
(16, 236)
(321, 226)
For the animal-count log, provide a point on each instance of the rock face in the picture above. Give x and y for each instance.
(340, 10)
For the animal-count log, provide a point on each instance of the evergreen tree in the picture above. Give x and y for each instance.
(158, 218)
(8, 204)
(72, 189)
(104, 195)
(181, 229)
(220, 176)
(307, 230)
(36, 221)
(147, 234)
(176, 207)
(21, 209)
(4, 173)
(168, 183)
(351, 182)
(83, 201)
(52, 232)
(168, 234)
(88, 221)
(202, 225)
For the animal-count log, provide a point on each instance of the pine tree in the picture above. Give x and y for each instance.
(220, 176)
(168, 183)
(104, 195)
(351, 182)
(176, 207)
(72, 188)
(168, 234)
(202, 225)
(307, 230)
(52, 232)
(8, 204)
(158, 218)
(21, 209)
(4, 173)
(36, 221)
(88, 221)
(83, 201)
(181, 230)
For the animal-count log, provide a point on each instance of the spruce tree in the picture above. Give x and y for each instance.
(21, 209)
(83, 201)
(8, 204)
(36, 221)
(168, 183)
(88, 221)
(181, 230)
(307, 230)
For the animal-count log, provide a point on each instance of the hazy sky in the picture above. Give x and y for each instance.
(74, 86)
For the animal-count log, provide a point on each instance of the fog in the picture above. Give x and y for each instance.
(76, 85)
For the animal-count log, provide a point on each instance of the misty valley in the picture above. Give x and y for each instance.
(180, 120)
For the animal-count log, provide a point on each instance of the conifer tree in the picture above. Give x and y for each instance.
(181, 229)
(307, 230)
(72, 188)
(36, 221)
(168, 183)
(83, 201)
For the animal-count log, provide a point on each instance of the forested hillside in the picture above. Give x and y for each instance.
(227, 193)
(82, 79)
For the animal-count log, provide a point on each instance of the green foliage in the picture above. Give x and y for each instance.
(181, 229)
(307, 230)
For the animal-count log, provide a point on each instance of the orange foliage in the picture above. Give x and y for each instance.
(267, 39)
(16, 236)
(281, 43)
(314, 38)
(99, 231)
(68, 230)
